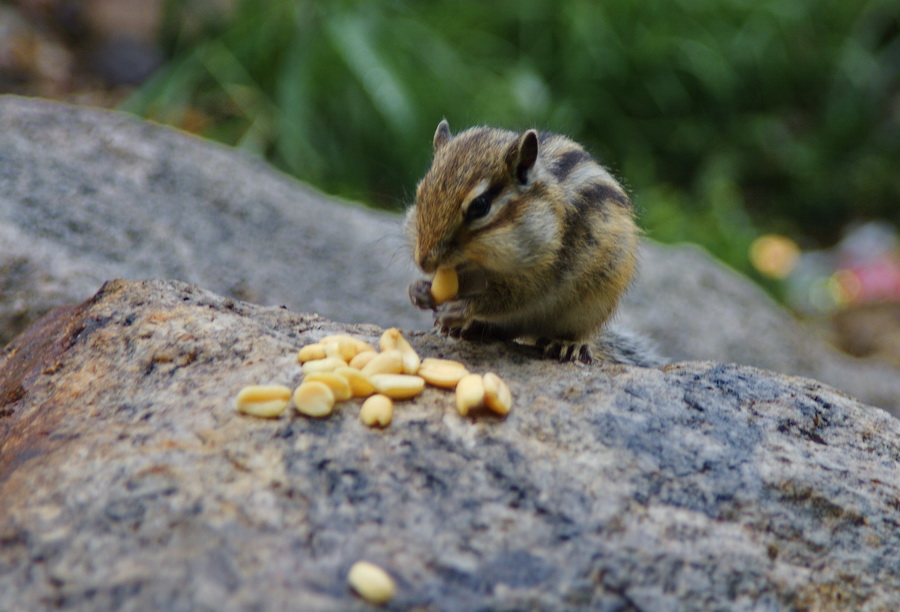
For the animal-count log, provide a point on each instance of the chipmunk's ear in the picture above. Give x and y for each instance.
(526, 151)
(442, 134)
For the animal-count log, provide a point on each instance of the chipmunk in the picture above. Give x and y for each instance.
(542, 237)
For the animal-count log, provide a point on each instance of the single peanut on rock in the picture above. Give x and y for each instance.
(398, 386)
(266, 401)
(314, 399)
(377, 411)
(371, 582)
(469, 393)
(497, 396)
(443, 373)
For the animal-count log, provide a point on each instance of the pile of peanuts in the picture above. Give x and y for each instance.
(341, 367)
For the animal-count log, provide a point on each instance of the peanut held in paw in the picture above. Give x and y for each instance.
(445, 285)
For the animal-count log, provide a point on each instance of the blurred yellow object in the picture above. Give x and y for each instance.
(774, 256)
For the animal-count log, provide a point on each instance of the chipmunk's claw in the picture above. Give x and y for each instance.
(565, 351)
(451, 319)
(584, 354)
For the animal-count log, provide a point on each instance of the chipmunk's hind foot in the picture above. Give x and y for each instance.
(565, 351)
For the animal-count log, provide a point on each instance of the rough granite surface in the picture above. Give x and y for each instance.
(129, 482)
(89, 195)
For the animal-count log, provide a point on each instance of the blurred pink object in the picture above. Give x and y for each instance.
(871, 252)
(878, 278)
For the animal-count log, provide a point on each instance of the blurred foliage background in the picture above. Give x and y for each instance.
(725, 118)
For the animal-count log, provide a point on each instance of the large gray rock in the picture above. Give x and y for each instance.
(129, 482)
(88, 195)
(695, 307)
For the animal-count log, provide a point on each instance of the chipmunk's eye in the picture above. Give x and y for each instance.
(478, 207)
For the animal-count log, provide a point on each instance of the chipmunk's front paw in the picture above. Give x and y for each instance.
(420, 294)
(565, 351)
(451, 319)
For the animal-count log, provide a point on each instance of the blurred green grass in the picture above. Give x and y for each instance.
(725, 118)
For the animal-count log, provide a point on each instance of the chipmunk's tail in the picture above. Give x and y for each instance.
(624, 346)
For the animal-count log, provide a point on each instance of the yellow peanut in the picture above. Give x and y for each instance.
(497, 396)
(361, 345)
(371, 582)
(311, 352)
(343, 348)
(398, 386)
(361, 359)
(444, 286)
(469, 393)
(329, 364)
(411, 360)
(443, 373)
(314, 399)
(391, 340)
(388, 362)
(377, 411)
(360, 385)
(266, 401)
(388, 340)
(338, 384)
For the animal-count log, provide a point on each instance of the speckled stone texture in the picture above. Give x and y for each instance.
(129, 482)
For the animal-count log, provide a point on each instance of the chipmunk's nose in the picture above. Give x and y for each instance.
(427, 262)
(430, 260)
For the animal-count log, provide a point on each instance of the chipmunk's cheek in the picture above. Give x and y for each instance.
(492, 256)
(477, 251)
(476, 258)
